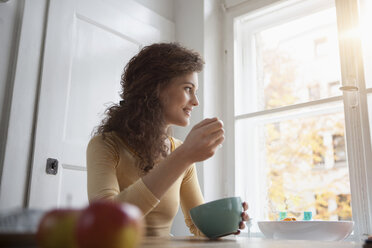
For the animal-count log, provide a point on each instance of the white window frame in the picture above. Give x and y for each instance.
(357, 131)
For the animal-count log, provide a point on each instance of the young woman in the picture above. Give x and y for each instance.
(132, 158)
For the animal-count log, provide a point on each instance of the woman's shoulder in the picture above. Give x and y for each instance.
(110, 139)
(114, 142)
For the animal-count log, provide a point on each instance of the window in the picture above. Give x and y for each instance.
(321, 47)
(318, 149)
(314, 91)
(333, 88)
(291, 118)
(339, 154)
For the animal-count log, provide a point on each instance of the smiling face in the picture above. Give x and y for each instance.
(179, 99)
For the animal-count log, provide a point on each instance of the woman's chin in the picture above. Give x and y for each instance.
(180, 122)
(184, 123)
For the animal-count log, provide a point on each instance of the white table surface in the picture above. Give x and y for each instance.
(243, 242)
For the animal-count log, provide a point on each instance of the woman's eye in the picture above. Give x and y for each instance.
(188, 89)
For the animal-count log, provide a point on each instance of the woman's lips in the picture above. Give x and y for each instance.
(187, 112)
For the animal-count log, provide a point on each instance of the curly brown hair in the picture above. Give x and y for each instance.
(138, 119)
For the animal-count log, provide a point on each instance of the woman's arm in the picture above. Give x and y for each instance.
(191, 196)
(146, 192)
(200, 144)
(102, 162)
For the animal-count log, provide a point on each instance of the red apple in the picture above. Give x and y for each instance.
(107, 224)
(57, 228)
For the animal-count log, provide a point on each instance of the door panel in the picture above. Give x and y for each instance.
(87, 46)
(95, 68)
(73, 179)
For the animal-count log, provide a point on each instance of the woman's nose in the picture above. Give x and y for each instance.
(195, 101)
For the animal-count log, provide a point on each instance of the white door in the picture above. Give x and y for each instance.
(87, 44)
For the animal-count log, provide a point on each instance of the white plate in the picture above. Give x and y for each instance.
(306, 230)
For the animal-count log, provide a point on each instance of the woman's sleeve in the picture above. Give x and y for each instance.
(191, 196)
(102, 160)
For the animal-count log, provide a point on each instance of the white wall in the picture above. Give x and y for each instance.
(10, 20)
(199, 27)
(188, 17)
(22, 83)
(215, 185)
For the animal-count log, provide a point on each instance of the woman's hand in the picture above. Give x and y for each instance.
(203, 140)
(245, 217)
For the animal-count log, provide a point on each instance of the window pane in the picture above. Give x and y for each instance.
(298, 61)
(295, 159)
(294, 164)
(306, 167)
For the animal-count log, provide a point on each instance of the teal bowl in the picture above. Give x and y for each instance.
(218, 218)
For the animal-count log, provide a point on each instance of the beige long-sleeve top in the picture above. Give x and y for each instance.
(112, 174)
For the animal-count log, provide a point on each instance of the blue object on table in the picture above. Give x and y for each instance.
(282, 215)
(308, 215)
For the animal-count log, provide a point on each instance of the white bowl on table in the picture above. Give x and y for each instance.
(306, 230)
